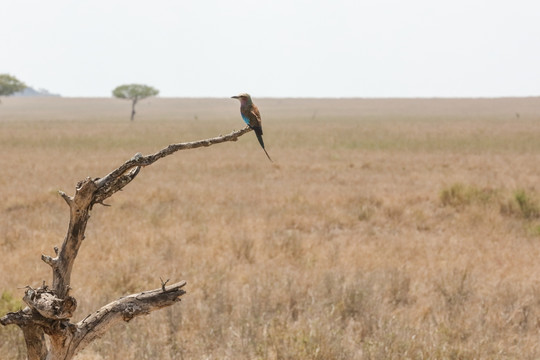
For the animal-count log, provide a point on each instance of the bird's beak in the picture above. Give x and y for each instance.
(234, 97)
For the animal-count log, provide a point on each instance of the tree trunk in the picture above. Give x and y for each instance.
(49, 309)
(133, 103)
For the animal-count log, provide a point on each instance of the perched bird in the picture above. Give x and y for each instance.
(252, 117)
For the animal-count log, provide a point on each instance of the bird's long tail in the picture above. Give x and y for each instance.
(258, 132)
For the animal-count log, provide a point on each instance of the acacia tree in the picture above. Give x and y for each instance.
(49, 308)
(10, 84)
(134, 92)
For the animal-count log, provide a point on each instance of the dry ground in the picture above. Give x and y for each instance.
(385, 229)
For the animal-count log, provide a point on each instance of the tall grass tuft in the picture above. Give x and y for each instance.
(459, 195)
(529, 207)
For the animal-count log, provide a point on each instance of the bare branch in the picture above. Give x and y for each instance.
(124, 309)
(163, 283)
(115, 185)
(67, 198)
(49, 260)
(20, 318)
(139, 160)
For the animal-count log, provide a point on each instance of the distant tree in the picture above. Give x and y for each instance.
(10, 85)
(134, 92)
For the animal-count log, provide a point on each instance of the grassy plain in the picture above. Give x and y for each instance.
(385, 229)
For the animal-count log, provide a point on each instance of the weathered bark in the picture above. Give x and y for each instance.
(50, 308)
(48, 305)
(34, 335)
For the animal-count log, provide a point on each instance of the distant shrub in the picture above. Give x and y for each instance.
(453, 196)
(528, 206)
(459, 194)
(535, 230)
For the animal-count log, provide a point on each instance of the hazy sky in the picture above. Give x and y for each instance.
(276, 48)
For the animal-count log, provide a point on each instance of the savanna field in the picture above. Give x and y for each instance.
(384, 229)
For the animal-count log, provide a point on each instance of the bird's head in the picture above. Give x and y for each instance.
(244, 98)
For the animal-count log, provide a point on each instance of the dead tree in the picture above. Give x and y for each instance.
(49, 308)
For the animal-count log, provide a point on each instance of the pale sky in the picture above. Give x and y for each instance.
(276, 48)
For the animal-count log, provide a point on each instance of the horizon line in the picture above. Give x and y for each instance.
(435, 97)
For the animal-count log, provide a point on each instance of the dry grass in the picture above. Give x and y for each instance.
(385, 229)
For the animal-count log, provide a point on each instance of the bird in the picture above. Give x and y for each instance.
(252, 117)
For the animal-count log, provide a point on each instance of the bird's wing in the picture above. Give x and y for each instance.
(255, 117)
(251, 116)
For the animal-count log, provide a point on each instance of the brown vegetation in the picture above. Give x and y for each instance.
(384, 229)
